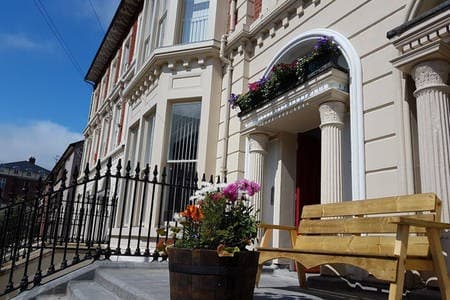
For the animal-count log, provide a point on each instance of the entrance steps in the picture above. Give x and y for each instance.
(107, 280)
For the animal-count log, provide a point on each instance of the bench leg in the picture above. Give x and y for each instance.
(439, 262)
(301, 274)
(401, 244)
(258, 274)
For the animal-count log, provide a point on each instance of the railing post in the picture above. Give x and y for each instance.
(130, 225)
(68, 219)
(43, 229)
(91, 227)
(24, 281)
(76, 257)
(141, 218)
(124, 202)
(113, 208)
(4, 236)
(161, 203)
(51, 268)
(103, 208)
(154, 182)
(10, 285)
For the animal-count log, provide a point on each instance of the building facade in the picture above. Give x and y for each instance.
(18, 177)
(68, 166)
(375, 123)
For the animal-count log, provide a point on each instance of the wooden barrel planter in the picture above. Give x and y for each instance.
(201, 274)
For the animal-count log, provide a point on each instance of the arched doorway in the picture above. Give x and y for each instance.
(294, 119)
(356, 125)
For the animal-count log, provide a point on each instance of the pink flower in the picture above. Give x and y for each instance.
(253, 86)
(253, 188)
(231, 191)
(243, 184)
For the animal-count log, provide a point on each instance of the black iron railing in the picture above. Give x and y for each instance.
(114, 212)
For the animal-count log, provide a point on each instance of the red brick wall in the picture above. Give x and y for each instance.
(119, 60)
(257, 5)
(133, 41)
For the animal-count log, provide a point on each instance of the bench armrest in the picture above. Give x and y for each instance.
(268, 229)
(280, 227)
(420, 223)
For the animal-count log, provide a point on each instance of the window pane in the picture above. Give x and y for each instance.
(195, 20)
(184, 131)
(182, 156)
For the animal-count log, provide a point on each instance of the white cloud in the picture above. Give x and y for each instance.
(44, 140)
(21, 41)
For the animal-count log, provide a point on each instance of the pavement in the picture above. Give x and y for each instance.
(150, 281)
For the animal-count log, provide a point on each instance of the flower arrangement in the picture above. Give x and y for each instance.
(219, 217)
(284, 76)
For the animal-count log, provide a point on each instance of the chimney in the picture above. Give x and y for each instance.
(32, 160)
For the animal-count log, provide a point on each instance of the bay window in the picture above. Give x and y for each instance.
(195, 21)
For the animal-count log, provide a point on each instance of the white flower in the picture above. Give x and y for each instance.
(178, 217)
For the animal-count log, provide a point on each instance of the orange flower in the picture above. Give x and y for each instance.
(193, 212)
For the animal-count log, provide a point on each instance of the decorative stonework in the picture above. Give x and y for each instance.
(331, 125)
(332, 113)
(430, 75)
(426, 41)
(330, 85)
(433, 122)
(258, 149)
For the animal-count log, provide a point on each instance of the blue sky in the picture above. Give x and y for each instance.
(44, 99)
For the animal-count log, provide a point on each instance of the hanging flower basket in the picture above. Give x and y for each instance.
(287, 76)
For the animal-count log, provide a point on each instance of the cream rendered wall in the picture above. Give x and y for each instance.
(365, 24)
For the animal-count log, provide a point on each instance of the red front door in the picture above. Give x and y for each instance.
(308, 171)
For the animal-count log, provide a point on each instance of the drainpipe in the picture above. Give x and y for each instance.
(226, 122)
(232, 15)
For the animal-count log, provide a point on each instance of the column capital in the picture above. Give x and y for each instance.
(332, 113)
(258, 142)
(431, 74)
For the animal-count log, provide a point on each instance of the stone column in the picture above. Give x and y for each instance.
(433, 122)
(258, 151)
(331, 125)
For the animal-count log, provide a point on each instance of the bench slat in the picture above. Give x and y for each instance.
(361, 245)
(380, 267)
(358, 225)
(402, 204)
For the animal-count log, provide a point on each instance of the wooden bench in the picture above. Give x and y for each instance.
(385, 236)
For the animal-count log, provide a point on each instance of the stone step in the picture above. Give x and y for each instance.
(52, 297)
(129, 284)
(86, 290)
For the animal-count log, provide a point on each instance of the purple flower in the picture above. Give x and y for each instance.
(243, 184)
(253, 188)
(233, 100)
(262, 81)
(231, 191)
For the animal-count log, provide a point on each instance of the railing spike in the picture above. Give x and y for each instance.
(137, 170)
(155, 174)
(75, 175)
(98, 167)
(109, 164)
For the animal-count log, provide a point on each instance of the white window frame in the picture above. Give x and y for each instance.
(195, 35)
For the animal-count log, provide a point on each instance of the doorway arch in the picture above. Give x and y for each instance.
(356, 99)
